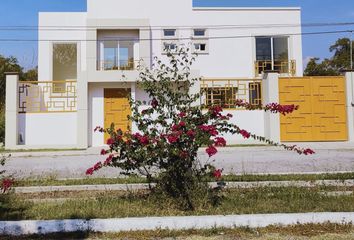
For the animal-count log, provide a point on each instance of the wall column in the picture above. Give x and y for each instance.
(82, 113)
(349, 79)
(270, 92)
(11, 111)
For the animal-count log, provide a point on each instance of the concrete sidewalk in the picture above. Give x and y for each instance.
(329, 157)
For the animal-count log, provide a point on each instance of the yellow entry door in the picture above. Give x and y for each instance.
(322, 109)
(116, 109)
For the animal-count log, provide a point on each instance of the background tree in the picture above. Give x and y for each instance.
(31, 75)
(334, 65)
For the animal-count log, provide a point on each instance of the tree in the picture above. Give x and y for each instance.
(7, 64)
(320, 69)
(171, 130)
(31, 75)
(333, 66)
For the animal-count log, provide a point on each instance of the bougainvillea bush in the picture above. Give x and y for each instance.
(5, 183)
(171, 130)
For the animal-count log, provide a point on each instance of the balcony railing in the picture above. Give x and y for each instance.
(283, 67)
(47, 96)
(226, 92)
(117, 65)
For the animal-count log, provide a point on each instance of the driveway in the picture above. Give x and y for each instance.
(329, 157)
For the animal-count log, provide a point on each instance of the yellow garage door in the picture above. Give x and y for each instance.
(322, 109)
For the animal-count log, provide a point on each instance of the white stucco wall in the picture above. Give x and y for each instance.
(231, 49)
(45, 129)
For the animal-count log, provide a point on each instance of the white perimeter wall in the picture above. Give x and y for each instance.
(252, 121)
(44, 129)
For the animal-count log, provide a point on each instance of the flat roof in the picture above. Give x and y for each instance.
(247, 8)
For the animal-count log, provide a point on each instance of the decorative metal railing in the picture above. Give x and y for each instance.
(225, 92)
(47, 96)
(283, 67)
(117, 65)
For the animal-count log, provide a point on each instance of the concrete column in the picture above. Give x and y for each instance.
(270, 92)
(145, 46)
(82, 113)
(349, 79)
(11, 111)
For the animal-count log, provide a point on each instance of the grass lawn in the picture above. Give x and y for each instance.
(232, 178)
(297, 232)
(86, 205)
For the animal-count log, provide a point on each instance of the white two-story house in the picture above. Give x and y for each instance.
(87, 62)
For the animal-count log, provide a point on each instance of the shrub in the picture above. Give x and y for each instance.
(5, 183)
(2, 125)
(172, 129)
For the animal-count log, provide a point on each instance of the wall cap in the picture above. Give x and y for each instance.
(11, 73)
(347, 70)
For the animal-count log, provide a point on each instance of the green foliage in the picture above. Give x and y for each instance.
(333, 66)
(7, 64)
(31, 75)
(323, 68)
(2, 124)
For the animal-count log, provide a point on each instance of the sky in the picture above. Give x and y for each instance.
(25, 12)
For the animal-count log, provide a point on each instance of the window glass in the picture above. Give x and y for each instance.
(200, 47)
(199, 32)
(170, 46)
(64, 65)
(263, 49)
(169, 32)
(280, 46)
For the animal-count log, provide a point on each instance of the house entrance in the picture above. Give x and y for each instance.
(116, 109)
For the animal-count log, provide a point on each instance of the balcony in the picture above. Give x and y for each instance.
(283, 67)
(117, 55)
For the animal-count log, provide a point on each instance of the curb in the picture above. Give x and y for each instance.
(125, 187)
(171, 223)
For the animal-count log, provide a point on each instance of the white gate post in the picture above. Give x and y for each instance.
(11, 110)
(270, 92)
(349, 79)
(82, 113)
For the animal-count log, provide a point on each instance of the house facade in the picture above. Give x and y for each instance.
(87, 65)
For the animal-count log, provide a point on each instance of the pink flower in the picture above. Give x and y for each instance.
(97, 166)
(217, 174)
(220, 142)
(108, 160)
(210, 129)
(182, 124)
(103, 152)
(172, 139)
(110, 141)
(215, 110)
(211, 151)
(175, 127)
(309, 151)
(245, 134)
(6, 184)
(182, 114)
(154, 103)
(191, 133)
(144, 140)
(90, 171)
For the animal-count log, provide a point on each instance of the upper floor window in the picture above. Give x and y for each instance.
(272, 53)
(200, 47)
(199, 33)
(169, 32)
